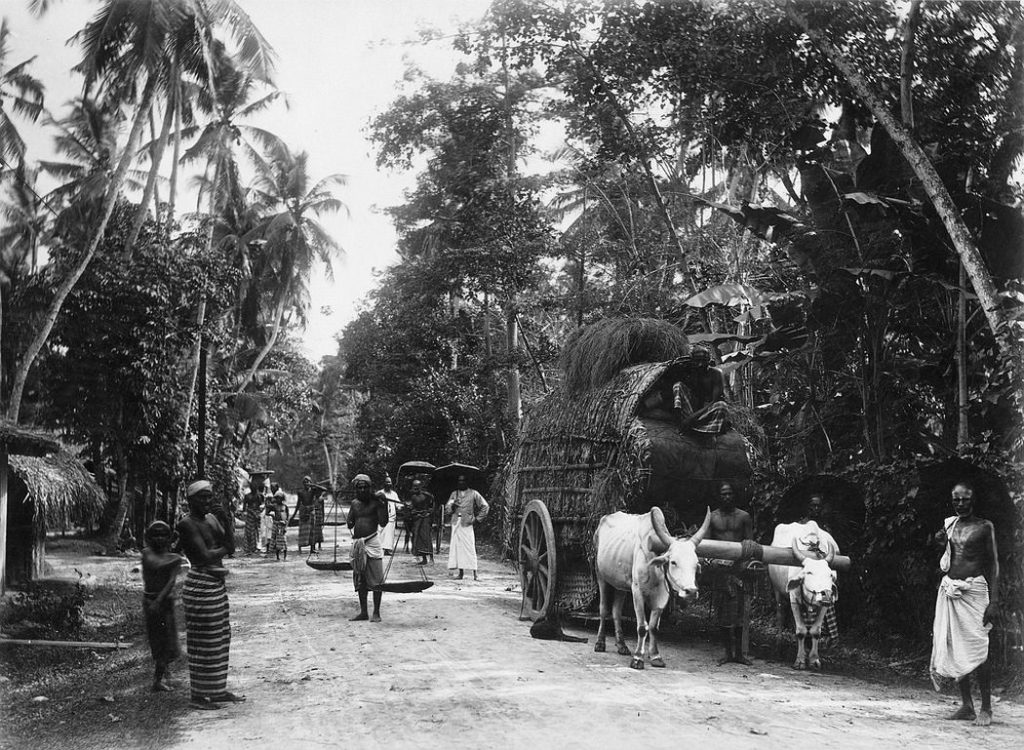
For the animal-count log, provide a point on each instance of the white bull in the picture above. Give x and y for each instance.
(636, 553)
(812, 586)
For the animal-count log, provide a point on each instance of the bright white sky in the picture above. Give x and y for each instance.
(339, 63)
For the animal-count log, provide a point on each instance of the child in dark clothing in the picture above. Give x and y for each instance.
(159, 572)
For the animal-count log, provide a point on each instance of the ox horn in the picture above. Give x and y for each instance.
(703, 530)
(800, 554)
(831, 554)
(658, 522)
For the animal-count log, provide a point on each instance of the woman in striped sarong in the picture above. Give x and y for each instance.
(205, 600)
(252, 504)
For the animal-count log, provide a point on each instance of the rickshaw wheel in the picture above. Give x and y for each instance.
(537, 560)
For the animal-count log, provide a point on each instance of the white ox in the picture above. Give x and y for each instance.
(636, 553)
(811, 586)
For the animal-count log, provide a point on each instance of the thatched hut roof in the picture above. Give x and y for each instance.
(22, 442)
(61, 489)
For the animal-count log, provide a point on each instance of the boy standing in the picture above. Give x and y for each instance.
(159, 573)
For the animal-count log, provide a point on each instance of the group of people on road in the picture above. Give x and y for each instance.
(266, 515)
(966, 603)
(205, 536)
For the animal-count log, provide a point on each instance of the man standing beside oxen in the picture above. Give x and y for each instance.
(966, 605)
(731, 591)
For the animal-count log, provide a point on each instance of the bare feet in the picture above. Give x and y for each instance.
(204, 704)
(161, 686)
(359, 618)
(984, 718)
(744, 661)
(725, 660)
(227, 697)
(964, 713)
(375, 617)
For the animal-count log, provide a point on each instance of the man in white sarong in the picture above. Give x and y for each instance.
(388, 533)
(466, 506)
(966, 605)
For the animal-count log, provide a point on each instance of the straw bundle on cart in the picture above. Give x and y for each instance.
(605, 442)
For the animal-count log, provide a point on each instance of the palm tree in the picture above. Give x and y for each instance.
(26, 99)
(133, 43)
(293, 237)
(87, 139)
(25, 220)
(232, 222)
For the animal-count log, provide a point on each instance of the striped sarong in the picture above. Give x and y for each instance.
(252, 529)
(277, 541)
(305, 526)
(207, 632)
(829, 623)
(317, 535)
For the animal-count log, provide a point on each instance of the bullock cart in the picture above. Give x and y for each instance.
(582, 454)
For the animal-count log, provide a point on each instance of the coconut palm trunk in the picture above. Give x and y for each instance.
(154, 173)
(67, 284)
(278, 319)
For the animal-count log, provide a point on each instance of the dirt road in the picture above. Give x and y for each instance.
(454, 667)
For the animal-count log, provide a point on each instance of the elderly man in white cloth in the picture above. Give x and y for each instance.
(467, 507)
(966, 605)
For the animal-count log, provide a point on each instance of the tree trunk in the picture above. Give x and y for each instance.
(515, 396)
(963, 433)
(981, 279)
(154, 173)
(173, 188)
(907, 64)
(37, 343)
(114, 532)
(200, 319)
(278, 316)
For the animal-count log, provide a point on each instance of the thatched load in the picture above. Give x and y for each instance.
(62, 491)
(593, 452)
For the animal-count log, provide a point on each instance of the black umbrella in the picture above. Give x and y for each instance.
(451, 472)
(412, 468)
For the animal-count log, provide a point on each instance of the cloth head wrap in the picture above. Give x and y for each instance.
(361, 478)
(157, 528)
(197, 487)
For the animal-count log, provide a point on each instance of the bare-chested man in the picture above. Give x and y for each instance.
(966, 605)
(365, 518)
(205, 598)
(731, 595)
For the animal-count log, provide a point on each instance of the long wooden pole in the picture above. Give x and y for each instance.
(64, 644)
(772, 555)
(3, 516)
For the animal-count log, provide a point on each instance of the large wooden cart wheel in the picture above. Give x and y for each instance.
(537, 562)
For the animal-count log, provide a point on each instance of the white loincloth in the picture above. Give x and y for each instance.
(959, 639)
(462, 552)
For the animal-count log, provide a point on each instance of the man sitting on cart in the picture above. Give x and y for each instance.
(700, 397)
(365, 518)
